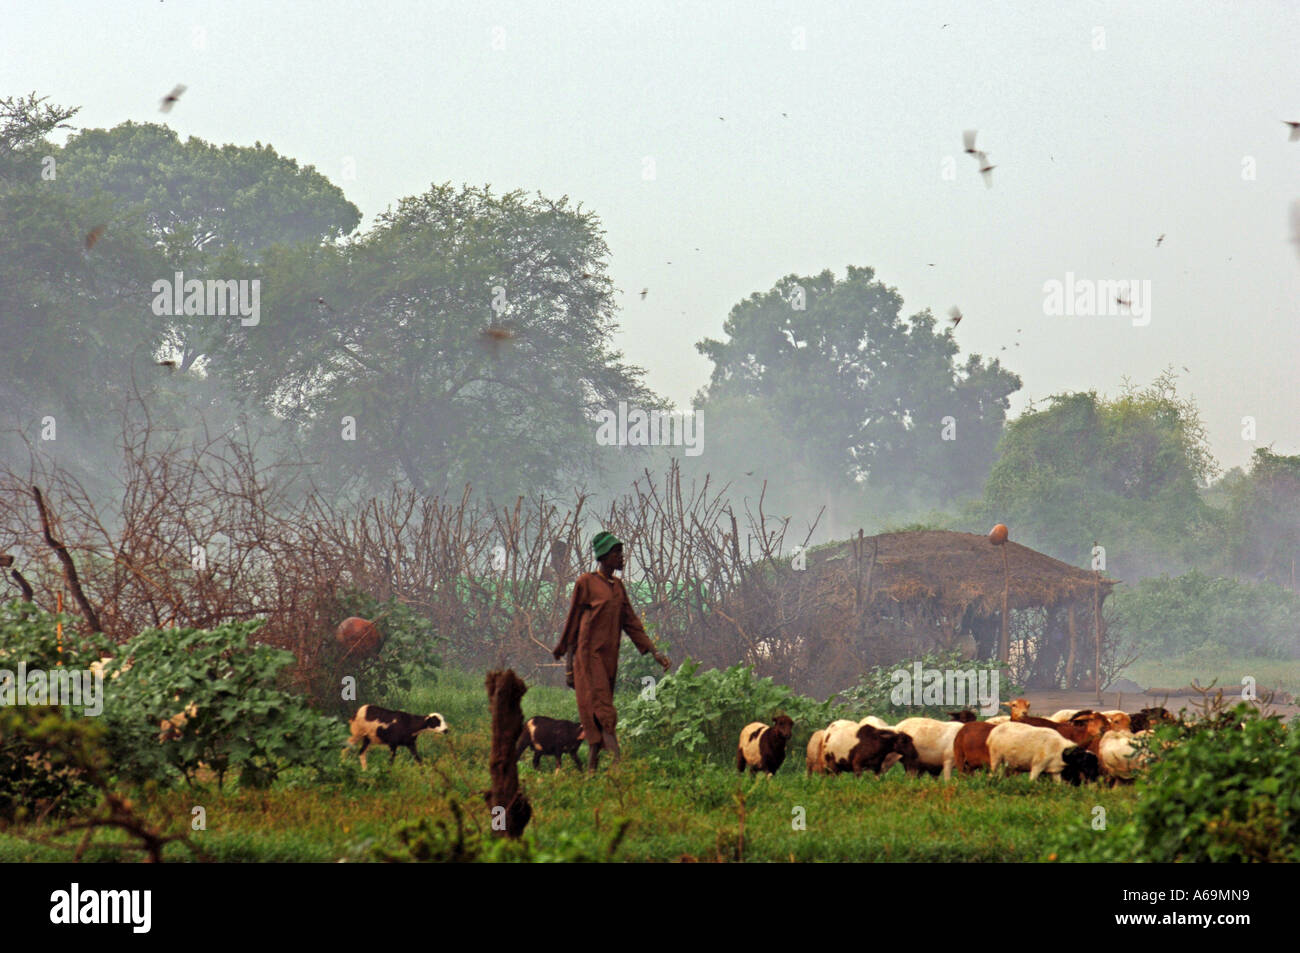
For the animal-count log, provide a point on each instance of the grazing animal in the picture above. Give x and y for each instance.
(933, 740)
(551, 736)
(1065, 714)
(814, 756)
(970, 747)
(1030, 748)
(1145, 719)
(1119, 756)
(1119, 720)
(875, 722)
(395, 729)
(762, 747)
(1085, 728)
(965, 716)
(855, 747)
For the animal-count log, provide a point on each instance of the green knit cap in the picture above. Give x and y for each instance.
(603, 543)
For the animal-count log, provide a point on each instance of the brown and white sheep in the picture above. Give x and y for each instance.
(762, 747)
(395, 729)
(856, 747)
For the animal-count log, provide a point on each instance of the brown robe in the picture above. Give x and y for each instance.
(600, 611)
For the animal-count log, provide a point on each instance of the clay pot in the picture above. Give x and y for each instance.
(358, 638)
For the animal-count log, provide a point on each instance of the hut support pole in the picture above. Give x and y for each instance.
(1074, 645)
(1096, 628)
(1004, 643)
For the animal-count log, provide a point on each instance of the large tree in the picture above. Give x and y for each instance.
(1264, 519)
(823, 383)
(467, 334)
(1125, 472)
(207, 207)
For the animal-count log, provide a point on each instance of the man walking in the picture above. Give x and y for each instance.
(599, 613)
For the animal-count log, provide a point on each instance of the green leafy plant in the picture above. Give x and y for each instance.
(702, 712)
(1223, 789)
(409, 653)
(241, 720)
(1168, 616)
(872, 693)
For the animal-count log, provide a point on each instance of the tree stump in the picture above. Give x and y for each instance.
(505, 689)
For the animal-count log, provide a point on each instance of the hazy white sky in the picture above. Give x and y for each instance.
(1098, 152)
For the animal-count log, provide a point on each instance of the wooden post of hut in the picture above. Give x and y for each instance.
(1004, 643)
(1096, 625)
(505, 689)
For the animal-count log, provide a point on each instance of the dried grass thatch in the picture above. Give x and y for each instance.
(954, 573)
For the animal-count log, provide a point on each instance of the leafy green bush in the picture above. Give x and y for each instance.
(701, 713)
(633, 666)
(409, 652)
(32, 780)
(872, 693)
(243, 721)
(1218, 793)
(1169, 616)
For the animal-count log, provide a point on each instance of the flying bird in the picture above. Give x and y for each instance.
(170, 365)
(1295, 130)
(1160, 239)
(493, 336)
(94, 235)
(172, 98)
(968, 138)
(325, 304)
(955, 315)
(986, 169)
(1120, 301)
(644, 292)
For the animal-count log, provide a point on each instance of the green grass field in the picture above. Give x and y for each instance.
(679, 810)
(1283, 674)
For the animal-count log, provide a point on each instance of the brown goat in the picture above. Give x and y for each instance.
(1084, 729)
(970, 749)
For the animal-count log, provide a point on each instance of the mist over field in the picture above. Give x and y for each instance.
(879, 334)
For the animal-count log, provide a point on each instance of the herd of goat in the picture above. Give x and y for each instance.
(1073, 745)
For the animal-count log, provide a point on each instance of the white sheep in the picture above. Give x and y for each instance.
(1030, 748)
(1065, 714)
(933, 740)
(875, 722)
(1119, 756)
(998, 719)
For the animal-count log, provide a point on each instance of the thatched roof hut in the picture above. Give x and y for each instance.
(875, 600)
(959, 572)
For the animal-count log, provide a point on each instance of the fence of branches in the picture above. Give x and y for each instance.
(202, 534)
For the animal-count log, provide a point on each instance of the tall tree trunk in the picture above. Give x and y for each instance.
(505, 689)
